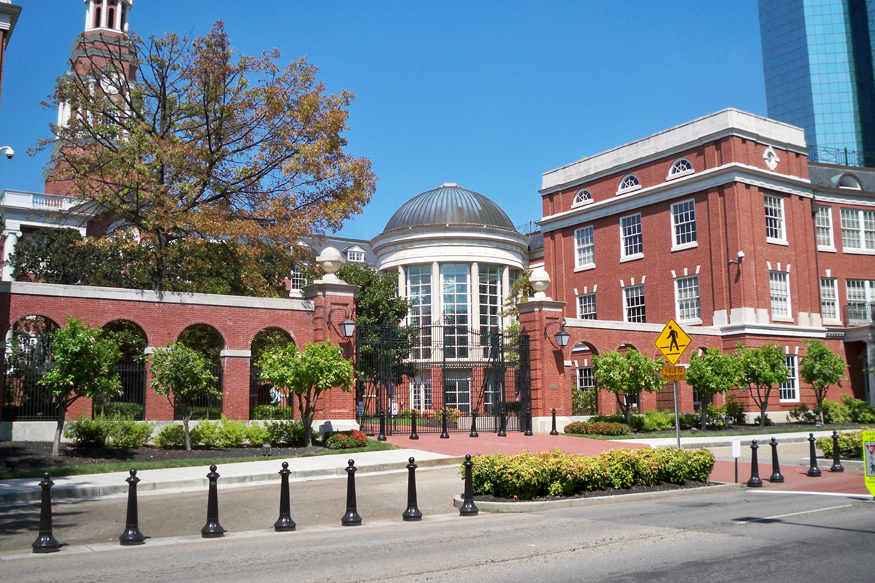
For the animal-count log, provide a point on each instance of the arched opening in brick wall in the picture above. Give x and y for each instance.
(632, 397)
(209, 343)
(584, 390)
(131, 401)
(28, 357)
(265, 400)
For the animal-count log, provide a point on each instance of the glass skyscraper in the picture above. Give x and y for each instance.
(818, 61)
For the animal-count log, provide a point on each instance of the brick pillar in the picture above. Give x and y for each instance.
(157, 406)
(235, 385)
(550, 385)
(333, 302)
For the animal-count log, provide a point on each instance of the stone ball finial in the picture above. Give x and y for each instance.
(330, 260)
(540, 281)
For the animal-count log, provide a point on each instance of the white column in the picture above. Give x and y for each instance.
(402, 282)
(437, 295)
(474, 297)
(870, 362)
(103, 15)
(10, 240)
(505, 290)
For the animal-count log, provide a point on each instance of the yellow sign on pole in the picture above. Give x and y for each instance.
(672, 342)
(674, 373)
(869, 459)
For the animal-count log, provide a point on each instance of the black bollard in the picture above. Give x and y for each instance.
(45, 542)
(382, 436)
(212, 529)
(132, 534)
(284, 522)
(755, 481)
(836, 464)
(528, 421)
(553, 430)
(413, 434)
(351, 518)
(776, 469)
(813, 471)
(502, 424)
(468, 508)
(412, 512)
(443, 414)
(474, 425)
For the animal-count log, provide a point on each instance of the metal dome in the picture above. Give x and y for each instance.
(449, 204)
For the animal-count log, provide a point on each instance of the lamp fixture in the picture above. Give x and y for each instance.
(739, 257)
(346, 326)
(561, 336)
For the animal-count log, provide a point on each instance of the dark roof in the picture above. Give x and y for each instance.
(827, 175)
(449, 204)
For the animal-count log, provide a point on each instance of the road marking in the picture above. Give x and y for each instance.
(794, 514)
(841, 494)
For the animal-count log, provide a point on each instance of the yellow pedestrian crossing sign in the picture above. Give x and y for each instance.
(868, 439)
(672, 342)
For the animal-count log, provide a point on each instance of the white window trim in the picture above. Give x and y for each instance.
(576, 203)
(832, 237)
(626, 304)
(682, 246)
(796, 383)
(585, 266)
(579, 313)
(789, 317)
(621, 190)
(861, 233)
(835, 286)
(623, 257)
(774, 240)
(677, 302)
(671, 176)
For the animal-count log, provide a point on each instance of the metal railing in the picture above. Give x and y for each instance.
(205, 407)
(862, 314)
(841, 156)
(131, 401)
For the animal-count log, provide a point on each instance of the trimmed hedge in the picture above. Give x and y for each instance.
(583, 428)
(850, 445)
(346, 440)
(101, 432)
(526, 476)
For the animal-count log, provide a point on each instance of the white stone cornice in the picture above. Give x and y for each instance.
(685, 186)
(727, 330)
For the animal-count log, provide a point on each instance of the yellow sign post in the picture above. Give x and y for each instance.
(869, 459)
(672, 342)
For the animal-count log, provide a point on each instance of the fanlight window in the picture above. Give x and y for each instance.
(583, 196)
(682, 166)
(630, 182)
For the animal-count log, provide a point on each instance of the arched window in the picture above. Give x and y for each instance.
(629, 183)
(849, 181)
(583, 196)
(680, 167)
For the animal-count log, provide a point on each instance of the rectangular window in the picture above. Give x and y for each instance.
(585, 380)
(861, 301)
(419, 295)
(457, 390)
(490, 306)
(823, 222)
(858, 230)
(631, 243)
(420, 392)
(298, 279)
(790, 387)
(775, 219)
(633, 303)
(355, 256)
(829, 298)
(779, 286)
(584, 247)
(687, 294)
(455, 294)
(586, 307)
(683, 219)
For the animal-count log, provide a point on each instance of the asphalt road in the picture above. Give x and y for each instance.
(713, 537)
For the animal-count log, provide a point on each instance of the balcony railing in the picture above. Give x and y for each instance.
(862, 314)
(37, 201)
(841, 156)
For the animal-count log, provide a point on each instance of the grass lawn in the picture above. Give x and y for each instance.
(737, 430)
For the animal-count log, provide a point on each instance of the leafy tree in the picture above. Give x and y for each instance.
(520, 291)
(307, 374)
(762, 369)
(83, 365)
(185, 138)
(377, 300)
(627, 374)
(821, 368)
(713, 373)
(180, 373)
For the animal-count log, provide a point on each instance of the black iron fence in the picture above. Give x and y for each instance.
(265, 401)
(205, 407)
(431, 369)
(131, 401)
(841, 156)
(23, 397)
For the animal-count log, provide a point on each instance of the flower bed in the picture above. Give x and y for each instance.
(583, 428)
(346, 440)
(526, 476)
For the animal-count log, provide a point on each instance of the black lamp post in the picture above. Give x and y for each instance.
(347, 326)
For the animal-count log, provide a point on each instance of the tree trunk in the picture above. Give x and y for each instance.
(820, 409)
(704, 412)
(307, 414)
(59, 430)
(187, 435)
(763, 406)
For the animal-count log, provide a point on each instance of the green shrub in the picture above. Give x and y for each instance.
(272, 412)
(582, 428)
(206, 433)
(860, 411)
(658, 420)
(528, 475)
(689, 420)
(129, 433)
(637, 420)
(850, 445)
(173, 437)
(835, 412)
(124, 410)
(346, 440)
(87, 432)
(257, 435)
(769, 422)
(803, 414)
(231, 433)
(206, 412)
(717, 414)
(289, 433)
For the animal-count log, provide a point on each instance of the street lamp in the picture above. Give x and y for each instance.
(347, 326)
(561, 336)
(9, 151)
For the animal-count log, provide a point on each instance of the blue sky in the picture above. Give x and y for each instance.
(486, 94)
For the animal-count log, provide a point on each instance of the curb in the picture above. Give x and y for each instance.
(95, 491)
(538, 506)
(824, 464)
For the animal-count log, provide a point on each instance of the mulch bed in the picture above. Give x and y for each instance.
(33, 454)
(661, 487)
